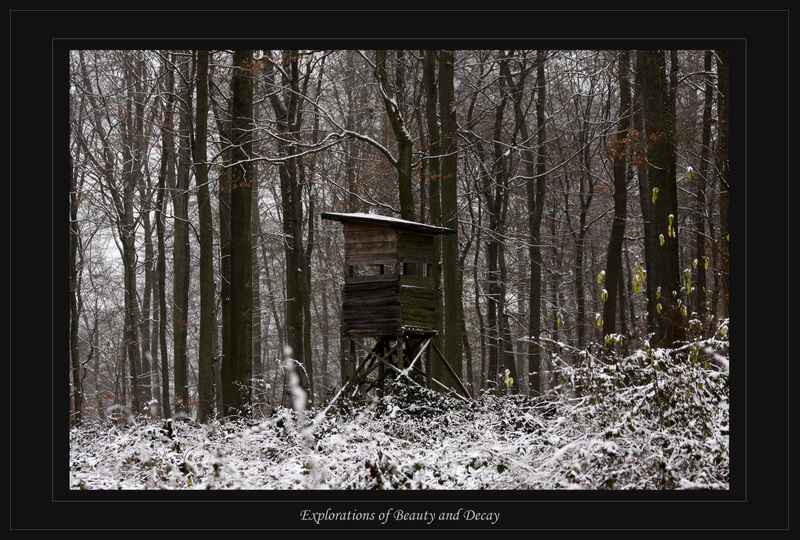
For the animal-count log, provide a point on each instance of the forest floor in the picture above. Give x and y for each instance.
(654, 420)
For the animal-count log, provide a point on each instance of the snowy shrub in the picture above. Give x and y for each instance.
(654, 419)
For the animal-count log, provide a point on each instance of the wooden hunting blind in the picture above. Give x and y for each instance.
(389, 294)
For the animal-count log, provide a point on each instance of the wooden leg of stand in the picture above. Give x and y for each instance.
(400, 350)
(452, 372)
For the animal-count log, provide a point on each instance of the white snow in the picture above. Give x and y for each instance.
(389, 220)
(632, 428)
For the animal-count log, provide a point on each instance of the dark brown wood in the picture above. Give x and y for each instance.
(389, 295)
(369, 279)
(453, 373)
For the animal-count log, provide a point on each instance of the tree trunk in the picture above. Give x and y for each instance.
(645, 196)
(288, 117)
(181, 262)
(663, 264)
(161, 265)
(536, 196)
(258, 335)
(224, 204)
(497, 211)
(478, 312)
(305, 282)
(205, 365)
(147, 355)
(699, 274)
(74, 291)
(451, 279)
(580, 289)
(132, 156)
(723, 74)
(507, 344)
(237, 370)
(434, 179)
(391, 98)
(618, 149)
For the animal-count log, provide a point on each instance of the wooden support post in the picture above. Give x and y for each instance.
(419, 355)
(352, 346)
(356, 370)
(378, 351)
(429, 367)
(453, 373)
(377, 357)
(400, 350)
(385, 355)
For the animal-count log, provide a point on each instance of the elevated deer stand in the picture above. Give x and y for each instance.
(388, 298)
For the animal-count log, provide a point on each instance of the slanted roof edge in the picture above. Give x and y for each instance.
(397, 223)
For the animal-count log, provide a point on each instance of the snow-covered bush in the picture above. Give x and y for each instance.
(654, 419)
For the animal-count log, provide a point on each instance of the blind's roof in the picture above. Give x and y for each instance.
(397, 223)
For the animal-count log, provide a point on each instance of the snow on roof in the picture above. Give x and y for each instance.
(388, 220)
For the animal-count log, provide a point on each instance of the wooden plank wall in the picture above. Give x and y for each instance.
(371, 307)
(415, 248)
(380, 304)
(368, 244)
(417, 301)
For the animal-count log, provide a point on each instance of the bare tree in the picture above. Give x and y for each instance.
(723, 73)
(392, 97)
(662, 265)
(237, 368)
(74, 301)
(205, 388)
(166, 169)
(285, 97)
(181, 261)
(451, 278)
(618, 149)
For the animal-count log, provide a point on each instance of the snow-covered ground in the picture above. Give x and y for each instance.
(653, 420)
